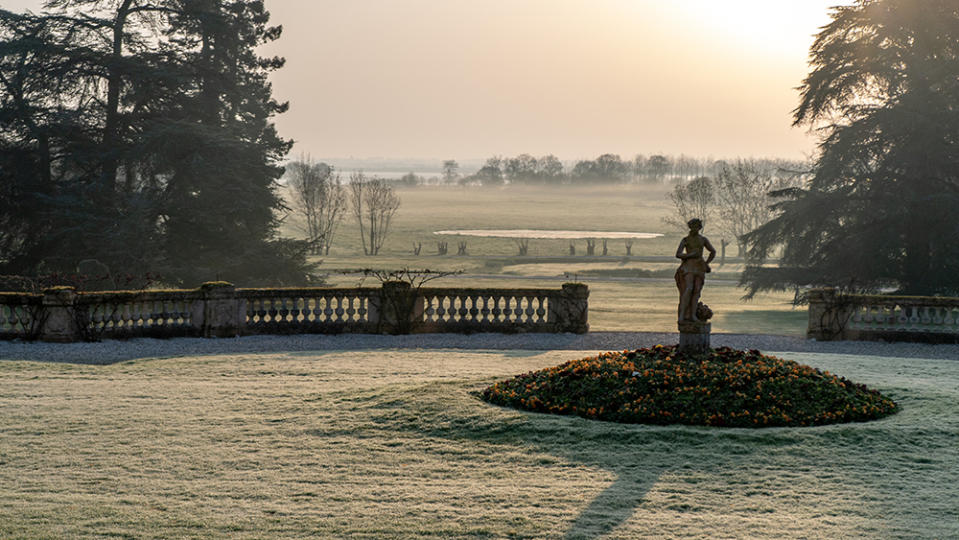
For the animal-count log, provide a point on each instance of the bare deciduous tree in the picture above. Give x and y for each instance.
(522, 245)
(590, 246)
(320, 198)
(743, 202)
(692, 200)
(374, 204)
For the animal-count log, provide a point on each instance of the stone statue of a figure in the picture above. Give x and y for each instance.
(692, 272)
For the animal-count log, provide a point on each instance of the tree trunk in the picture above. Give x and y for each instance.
(918, 259)
(111, 126)
(373, 249)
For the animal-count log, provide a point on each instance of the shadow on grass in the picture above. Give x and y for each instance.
(859, 472)
(637, 455)
(612, 507)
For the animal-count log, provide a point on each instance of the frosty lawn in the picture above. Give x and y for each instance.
(396, 444)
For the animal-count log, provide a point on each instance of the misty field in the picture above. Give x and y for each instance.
(395, 444)
(626, 293)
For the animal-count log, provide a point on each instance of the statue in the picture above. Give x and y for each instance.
(691, 274)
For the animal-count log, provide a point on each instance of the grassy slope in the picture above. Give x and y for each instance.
(393, 444)
(425, 210)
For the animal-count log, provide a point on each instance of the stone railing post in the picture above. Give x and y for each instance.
(373, 312)
(396, 307)
(223, 314)
(827, 317)
(58, 315)
(569, 310)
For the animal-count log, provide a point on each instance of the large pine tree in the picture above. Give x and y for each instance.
(140, 134)
(879, 213)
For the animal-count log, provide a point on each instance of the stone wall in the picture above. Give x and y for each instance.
(837, 316)
(221, 310)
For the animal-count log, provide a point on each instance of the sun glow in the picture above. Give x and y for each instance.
(772, 27)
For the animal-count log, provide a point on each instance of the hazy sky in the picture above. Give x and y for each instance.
(465, 79)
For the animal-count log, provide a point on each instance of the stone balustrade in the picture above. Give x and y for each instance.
(221, 310)
(835, 316)
(20, 315)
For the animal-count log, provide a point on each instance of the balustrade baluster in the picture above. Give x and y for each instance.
(96, 317)
(862, 316)
(327, 309)
(294, 304)
(309, 305)
(260, 311)
(339, 309)
(125, 316)
(495, 312)
(902, 318)
(271, 311)
(350, 309)
(541, 310)
(137, 316)
(914, 318)
(363, 310)
(484, 310)
(935, 317)
(443, 310)
(183, 317)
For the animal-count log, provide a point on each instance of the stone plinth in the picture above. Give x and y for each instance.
(59, 323)
(223, 316)
(694, 337)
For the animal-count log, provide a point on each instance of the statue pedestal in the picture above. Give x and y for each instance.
(694, 337)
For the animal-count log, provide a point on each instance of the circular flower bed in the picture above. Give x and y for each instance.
(726, 388)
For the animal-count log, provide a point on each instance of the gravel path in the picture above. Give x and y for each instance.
(109, 352)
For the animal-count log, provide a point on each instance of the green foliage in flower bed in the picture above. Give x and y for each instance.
(659, 386)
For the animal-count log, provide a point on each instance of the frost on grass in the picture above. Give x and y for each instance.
(658, 385)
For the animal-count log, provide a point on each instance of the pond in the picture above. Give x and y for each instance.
(535, 233)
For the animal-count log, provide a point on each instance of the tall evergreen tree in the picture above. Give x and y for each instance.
(879, 212)
(143, 130)
(222, 197)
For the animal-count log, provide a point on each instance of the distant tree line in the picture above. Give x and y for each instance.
(606, 169)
